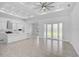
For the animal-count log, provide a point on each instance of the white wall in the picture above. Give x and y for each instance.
(66, 26)
(75, 28)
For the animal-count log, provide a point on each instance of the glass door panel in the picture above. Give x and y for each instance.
(48, 30)
(53, 31)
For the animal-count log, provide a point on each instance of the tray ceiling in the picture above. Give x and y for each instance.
(30, 9)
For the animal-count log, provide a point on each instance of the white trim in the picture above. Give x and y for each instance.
(53, 39)
(76, 50)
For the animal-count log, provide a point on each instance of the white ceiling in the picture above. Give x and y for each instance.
(28, 9)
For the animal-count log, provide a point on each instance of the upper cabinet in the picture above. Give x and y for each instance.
(3, 24)
(11, 25)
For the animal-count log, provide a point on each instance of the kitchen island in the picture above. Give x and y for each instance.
(12, 37)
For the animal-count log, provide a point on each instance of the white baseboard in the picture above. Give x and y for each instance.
(60, 40)
(76, 50)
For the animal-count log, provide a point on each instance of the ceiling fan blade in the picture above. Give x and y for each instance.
(38, 4)
(47, 8)
(45, 3)
(50, 6)
(39, 9)
(41, 3)
(49, 3)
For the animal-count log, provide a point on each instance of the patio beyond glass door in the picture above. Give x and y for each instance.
(53, 31)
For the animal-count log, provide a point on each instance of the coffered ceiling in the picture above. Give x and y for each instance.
(31, 9)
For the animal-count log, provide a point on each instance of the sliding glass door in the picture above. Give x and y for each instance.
(53, 31)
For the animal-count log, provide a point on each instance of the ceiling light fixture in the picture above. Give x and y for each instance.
(45, 6)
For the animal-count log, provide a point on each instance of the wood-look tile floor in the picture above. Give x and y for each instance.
(37, 48)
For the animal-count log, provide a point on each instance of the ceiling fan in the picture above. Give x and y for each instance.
(45, 6)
